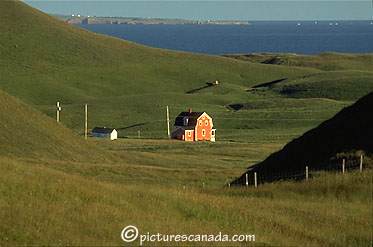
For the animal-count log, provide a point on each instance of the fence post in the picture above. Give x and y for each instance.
(247, 180)
(343, 166)
(229, 185)
(255, 180)
(307, 173)
(361, 163)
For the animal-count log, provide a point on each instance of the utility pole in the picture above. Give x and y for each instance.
(86, 122)
(168, 122)
(58, 112)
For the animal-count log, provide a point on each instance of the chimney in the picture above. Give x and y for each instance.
(190, 110)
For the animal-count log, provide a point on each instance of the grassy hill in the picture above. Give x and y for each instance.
(127, 86)
(339, 85)
(48, 198)
(343, 76)
(58, 60)
(347, 135)
(328, 61)
(29, 134)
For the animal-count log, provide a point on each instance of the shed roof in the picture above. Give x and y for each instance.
(102, 130)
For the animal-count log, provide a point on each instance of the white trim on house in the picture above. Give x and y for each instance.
(207, 116)
(213, 136)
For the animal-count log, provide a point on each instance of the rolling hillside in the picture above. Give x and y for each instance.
(342, 76)
(338, 85)
(27, 133)
(127, 86)
(347, 135)
(328, 61)
(52, 59)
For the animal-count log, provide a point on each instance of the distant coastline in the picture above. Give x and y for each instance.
(308, 38)
(78, 19)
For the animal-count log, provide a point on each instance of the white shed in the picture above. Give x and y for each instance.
(103, 132)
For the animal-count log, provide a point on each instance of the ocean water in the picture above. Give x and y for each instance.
(303, 37)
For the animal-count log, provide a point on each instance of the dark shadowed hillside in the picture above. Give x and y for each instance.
(348, 133)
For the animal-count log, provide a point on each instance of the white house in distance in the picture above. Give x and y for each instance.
(103, 132)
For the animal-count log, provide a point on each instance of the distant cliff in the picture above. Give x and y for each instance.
(145, 21)
(89, 21)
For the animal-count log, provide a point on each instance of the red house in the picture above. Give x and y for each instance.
(193, 126)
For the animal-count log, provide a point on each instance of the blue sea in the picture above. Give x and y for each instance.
(303, 37)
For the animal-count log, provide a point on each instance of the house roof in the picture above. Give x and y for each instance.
(190, 114)
(102, 130)
(192, 119)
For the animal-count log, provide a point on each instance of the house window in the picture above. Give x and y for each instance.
(203, 132)
(206, 122)
(189, 133)
(186, 120)
(213, 133)
(200, 122)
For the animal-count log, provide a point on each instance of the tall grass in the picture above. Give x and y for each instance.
(42, 206)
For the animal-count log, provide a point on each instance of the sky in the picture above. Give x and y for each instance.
(213, 10)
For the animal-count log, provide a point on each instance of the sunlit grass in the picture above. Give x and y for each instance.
(43, 206)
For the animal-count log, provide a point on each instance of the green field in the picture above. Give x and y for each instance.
(59, 189)
(130, 85)
(44, 206)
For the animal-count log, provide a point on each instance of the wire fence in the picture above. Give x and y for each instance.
(257, 177)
